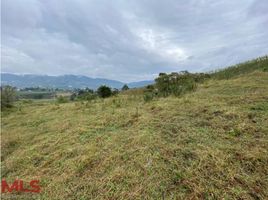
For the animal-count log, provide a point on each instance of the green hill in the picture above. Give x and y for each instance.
(207, 144)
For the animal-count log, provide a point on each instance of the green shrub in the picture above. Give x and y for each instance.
(125, 87)
(177, 83)
(104, 91)
(115, 92)
(84, 95)
(90, 97)
(265, 69)
(8, 96)
(150, 88)
(62, 99)
(148, 96)
(72, 97)
(235, 132)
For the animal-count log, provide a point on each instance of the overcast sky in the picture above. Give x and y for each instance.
(130, 40)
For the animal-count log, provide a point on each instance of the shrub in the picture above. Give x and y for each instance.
(8, 96)
(115, 92)
(62, 99)
(177, 83)
(90, 96)
(148, 96)
(72, 97)
(83, 94)
(150, 88)
(235, 132)
(125, 87)
(104, 91)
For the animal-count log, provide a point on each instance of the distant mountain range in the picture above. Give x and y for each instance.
(64, 81)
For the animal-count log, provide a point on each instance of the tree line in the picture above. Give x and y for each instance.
(175, 83)
(9, 94)
(165, 84)
(88, 94)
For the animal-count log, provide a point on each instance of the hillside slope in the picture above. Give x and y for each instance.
(210, 144)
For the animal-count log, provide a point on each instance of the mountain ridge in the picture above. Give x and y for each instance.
(67, 81)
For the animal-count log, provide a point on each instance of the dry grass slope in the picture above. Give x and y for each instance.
(210, 144)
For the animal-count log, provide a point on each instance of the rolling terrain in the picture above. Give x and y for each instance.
(207, 144)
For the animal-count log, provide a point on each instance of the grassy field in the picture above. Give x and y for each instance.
(209, 144)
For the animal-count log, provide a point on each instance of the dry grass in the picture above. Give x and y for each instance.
(210, 144)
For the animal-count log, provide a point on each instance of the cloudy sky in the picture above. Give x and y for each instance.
(130, 40)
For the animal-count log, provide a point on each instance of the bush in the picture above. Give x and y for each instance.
(90, 96)
(150, 88)
(104, 91)
(125, 87)
(83, 94)
(177, 83)
(62, 99)
(8, 96)
(148, 96)
(72, 97)
(115, 92)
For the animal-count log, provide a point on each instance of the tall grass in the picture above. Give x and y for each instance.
(208, 144)
(242, 68)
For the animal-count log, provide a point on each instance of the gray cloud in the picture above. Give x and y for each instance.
(130, 40)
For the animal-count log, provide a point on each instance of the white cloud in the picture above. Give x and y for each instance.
(130, 40)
